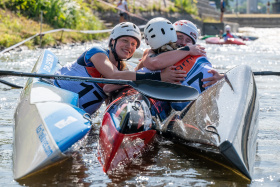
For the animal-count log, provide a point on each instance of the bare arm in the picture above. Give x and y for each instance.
(110, 71)
(169, 58)
(212, 80)
(141, 64)
(108, 88)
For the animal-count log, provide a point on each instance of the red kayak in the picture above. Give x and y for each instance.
(127, 129)
(217, 40)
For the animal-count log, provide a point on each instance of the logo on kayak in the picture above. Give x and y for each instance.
(48, 63)
(63, 123)
(41, 132)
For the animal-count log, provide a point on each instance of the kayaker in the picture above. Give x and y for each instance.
(227, 33)
(122, 6)
(162, 36)
(173, 56)
(109, 63)
(186, 35)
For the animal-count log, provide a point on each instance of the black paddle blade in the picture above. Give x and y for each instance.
(165, 91)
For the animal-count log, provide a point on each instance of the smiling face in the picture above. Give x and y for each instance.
(183, 39)
(125, 47)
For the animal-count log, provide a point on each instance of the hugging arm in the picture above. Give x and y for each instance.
(169, 58)
(212, 80)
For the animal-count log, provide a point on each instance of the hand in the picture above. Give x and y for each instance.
(212, 80)
(197, 50)
(171, 75)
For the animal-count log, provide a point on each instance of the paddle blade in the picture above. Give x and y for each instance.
(165, 91)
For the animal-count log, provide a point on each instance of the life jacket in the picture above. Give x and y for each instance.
(91, 95)
(197, 68)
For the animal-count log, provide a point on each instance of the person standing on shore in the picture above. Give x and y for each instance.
(268, 7)
(122, 6)
(223, 7)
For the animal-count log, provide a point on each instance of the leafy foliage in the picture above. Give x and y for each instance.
(59, 13)
(188, 6)
(73, 14)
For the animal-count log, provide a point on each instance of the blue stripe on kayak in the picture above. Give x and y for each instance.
(73, 126)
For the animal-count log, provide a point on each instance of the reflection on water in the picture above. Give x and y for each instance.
(167, 164)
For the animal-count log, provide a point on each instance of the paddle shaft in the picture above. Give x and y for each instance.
(10, 84)
(155, 89)
(267, 73)
(65, 77)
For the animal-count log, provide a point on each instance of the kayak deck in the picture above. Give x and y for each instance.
(222, 123)
(48, 123)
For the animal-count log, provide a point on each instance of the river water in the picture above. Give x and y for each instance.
(165, 165)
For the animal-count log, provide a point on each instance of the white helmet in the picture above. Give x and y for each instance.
(188, 28)
(158, 32)
(227, 28)
(125, 29)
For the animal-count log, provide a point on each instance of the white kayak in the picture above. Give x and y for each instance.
(222, 123)
(48, 123)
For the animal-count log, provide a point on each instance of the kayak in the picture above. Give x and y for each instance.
(49, 125)
(222, 123)
(217, 40)
(126, 131)
(206, 36)
(246, 38)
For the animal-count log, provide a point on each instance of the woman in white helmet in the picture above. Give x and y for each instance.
(187, 35)
(109, 63)
(187, 32)
(162, 36)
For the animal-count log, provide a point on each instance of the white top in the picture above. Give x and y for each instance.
(123, 5)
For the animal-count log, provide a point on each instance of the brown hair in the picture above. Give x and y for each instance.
(167, 47)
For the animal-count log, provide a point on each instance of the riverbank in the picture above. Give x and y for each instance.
(15, 28)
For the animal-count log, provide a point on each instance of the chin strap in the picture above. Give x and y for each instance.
(113, 49)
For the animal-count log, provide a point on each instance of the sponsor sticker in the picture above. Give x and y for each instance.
(49, 63)
(42, 135)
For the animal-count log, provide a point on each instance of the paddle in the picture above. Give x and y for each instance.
(266, 73)
(10, 84)
(155, 89)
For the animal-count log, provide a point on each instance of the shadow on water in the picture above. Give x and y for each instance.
(69, 171)
(207, 168)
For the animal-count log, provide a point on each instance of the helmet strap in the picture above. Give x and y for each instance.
(113, 49)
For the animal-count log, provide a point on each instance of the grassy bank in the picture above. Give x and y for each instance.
(15, 28)
(20, 19)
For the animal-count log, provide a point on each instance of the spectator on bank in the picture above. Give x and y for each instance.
(122, 5)
(223, 7)
(268, 7)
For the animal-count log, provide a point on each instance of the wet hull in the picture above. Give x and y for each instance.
(126, 131)
(222, 123)
(48, 123)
